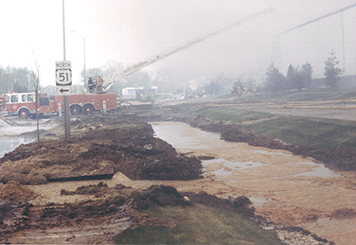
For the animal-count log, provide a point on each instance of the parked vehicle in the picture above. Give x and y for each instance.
(23, 104)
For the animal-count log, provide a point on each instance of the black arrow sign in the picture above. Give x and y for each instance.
(63, 90)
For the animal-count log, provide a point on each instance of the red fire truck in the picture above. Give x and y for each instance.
(23, 104)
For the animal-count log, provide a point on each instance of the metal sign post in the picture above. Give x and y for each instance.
(64, 82)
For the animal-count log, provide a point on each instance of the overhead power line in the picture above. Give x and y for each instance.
(319, 18)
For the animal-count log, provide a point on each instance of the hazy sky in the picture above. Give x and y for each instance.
(131, 30)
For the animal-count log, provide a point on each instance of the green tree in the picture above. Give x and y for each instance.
(19, 88)
(49, 89)
(16, 79)
(332, 73)
(213, 88)
(290, 77)
(139, 78)
(4, 81)
(307, 71)
(298, 81)
(237, 84)
(94, 72)
(299, 77)
(275, 81)
(21, 79)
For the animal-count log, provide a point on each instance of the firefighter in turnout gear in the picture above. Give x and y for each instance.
(91, 85)
(99, 84)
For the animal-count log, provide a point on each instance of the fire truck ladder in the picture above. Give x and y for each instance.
(182, 47)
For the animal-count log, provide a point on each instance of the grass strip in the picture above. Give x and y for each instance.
(198, 224)
(232, 114)
(315, 132)
(320, 133)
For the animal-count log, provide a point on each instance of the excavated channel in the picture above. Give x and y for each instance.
(288, 189)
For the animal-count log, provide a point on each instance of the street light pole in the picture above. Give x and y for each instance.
(86, 86)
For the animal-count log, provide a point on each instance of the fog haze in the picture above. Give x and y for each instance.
(131, 31)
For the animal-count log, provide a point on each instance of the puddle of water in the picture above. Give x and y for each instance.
(15, 130)
(10, 144)
(319, 170)
(6, 130)
(228, 167)
(10, 138)
(260, 201)
(278, 153)
(183, 137)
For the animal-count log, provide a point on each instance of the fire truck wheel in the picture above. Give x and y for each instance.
(24, 113)
(75, 109)
(88, 109)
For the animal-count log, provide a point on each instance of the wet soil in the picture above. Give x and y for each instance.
(123, 145)
(115, 143)
(105, 212)
(340, 158)
(282, 192)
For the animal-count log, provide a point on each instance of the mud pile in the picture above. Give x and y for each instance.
(108, 207)
(14, 191)
(124, 144)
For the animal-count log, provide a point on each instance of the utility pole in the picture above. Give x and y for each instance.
(65, 97)
(343, 40)
(323, 17)
(85, 78)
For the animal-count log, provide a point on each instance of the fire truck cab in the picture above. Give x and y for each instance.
(23, 104)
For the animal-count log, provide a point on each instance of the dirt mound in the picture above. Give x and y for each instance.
(157, 195)
(240, 205)
(114, 197)
(12, 217)
(342, 158)
(121, 145)
(108, 206)
(14, 191)
(344, 213)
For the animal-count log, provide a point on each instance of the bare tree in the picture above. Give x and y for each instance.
(36, 81)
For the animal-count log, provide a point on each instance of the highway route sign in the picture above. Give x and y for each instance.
(63, 73)
(63, 90)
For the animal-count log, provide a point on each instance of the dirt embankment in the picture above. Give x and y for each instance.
(340, 158)
(100, 144)
(104, 145)
(109, 208)
(116, 142)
